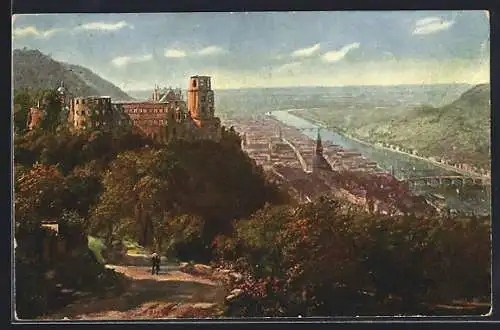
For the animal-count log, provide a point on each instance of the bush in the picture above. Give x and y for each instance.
(330, 259)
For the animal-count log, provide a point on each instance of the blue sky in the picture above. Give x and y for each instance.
(267, 49)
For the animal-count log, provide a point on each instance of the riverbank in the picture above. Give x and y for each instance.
(368, 144)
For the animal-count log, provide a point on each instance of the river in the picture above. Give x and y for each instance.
(469, 199)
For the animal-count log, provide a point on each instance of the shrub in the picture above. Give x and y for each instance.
(328, 259)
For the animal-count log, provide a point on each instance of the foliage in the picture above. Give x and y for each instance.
(97, 246)
(35, 70)
(155, 194)
(40, 195)
(88, 149)
(327, 259)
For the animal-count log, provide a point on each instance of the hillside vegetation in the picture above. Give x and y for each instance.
(209, 202)
(37, 71)
(459, 131)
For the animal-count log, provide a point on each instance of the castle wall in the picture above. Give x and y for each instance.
(165, 120)
(150, 117)
(91, 112)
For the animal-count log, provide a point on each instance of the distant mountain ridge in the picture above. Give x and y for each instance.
(458, 131)
(35, 70)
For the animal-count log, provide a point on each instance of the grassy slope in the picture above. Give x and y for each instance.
(459, 131)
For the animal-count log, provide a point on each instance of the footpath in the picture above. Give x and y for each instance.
(170, 294)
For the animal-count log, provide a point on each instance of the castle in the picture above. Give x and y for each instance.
(166, 117)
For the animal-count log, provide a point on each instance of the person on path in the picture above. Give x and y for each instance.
(155, 258)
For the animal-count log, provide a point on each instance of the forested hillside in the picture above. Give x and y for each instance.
(35, 70)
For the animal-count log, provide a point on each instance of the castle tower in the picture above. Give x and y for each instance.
(156, 93)
(200, 99)
(35, 116)
(62, 93)
(64, 99)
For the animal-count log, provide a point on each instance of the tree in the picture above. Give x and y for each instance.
(40, 195)
(51, 103)
(23, 101)
(118, 200)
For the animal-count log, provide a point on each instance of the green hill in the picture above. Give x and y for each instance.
(458, 131)
(35, 70)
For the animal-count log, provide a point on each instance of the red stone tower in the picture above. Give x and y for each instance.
(200, 100)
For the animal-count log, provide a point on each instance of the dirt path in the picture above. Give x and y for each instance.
(170, 294)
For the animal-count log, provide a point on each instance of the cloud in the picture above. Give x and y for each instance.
(125, 60)
(33, 31)
(337, 55)
(175, 53)
(431, 25)
(211, 50)
(304, 52)
(288, 67)
(101, 26)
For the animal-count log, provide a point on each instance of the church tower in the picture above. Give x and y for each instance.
(200, 99)
(319, 145)
(319, 163)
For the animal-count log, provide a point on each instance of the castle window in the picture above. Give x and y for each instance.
(83, 101)
(77, 101)
(203, 99)
(194, 83)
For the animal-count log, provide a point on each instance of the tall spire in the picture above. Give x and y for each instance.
(319, 145)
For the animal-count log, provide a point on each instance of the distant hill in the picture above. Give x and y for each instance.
(459, 131)
(33, 69)
(141, 94)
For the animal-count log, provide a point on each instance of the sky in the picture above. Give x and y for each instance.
(267, 49)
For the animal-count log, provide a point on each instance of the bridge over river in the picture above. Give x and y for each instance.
(448, 180)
